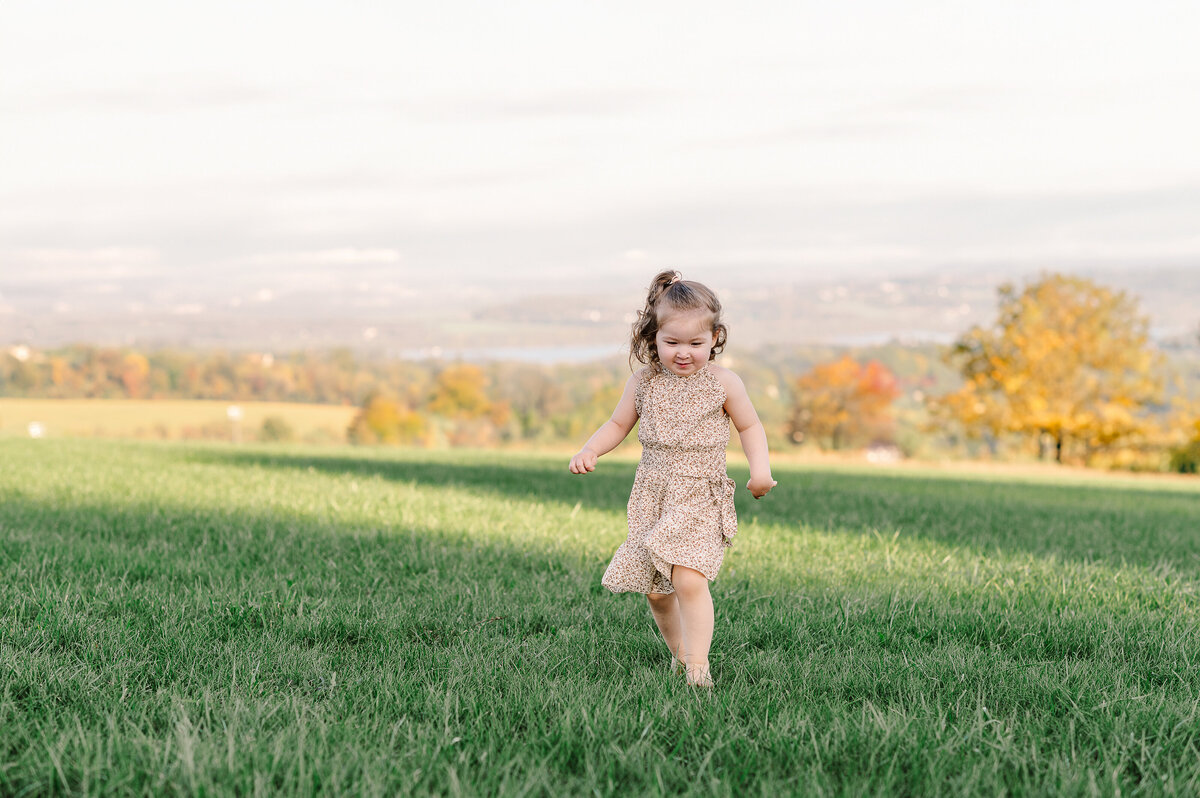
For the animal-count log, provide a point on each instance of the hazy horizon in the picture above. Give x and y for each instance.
(190, 159)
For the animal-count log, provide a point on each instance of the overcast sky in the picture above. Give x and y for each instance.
(478, 141)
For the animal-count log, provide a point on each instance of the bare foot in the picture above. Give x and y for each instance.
(698, 675)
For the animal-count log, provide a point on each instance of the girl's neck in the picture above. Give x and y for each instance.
(663, 368)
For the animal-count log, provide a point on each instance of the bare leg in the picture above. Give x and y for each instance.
(696, 612)
(665, 610)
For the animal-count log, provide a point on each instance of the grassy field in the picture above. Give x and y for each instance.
(166, 418)
(205, 619)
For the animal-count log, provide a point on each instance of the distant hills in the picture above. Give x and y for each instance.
(390, 315)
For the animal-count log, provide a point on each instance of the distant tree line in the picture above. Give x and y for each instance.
(1066, 372)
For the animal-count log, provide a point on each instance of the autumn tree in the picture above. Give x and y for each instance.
(460, 395)
(385, 420)
(843, 402)
(460, 392)
(135, 369)
(1066, 363)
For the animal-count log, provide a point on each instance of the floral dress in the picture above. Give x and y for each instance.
(681, 506)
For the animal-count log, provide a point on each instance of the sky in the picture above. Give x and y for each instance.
(567, 143)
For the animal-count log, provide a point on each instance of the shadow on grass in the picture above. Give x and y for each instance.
(265, 576)
(1107, 522)
(198, 587)
(246, 576)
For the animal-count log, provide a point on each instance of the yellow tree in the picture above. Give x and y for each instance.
(384, 420)
(841, 402)
(460, 392)
(1067, 362)
(460, 396)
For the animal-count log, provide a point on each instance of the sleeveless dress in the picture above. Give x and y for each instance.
(681, 507)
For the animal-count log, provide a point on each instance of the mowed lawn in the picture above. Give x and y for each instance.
(209, 620)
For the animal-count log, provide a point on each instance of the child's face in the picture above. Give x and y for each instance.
(685, 339)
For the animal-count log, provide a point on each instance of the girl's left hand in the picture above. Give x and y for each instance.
(760, 488)
(583, 462)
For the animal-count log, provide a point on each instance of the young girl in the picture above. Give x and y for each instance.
(681, 514)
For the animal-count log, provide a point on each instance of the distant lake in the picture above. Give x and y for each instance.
(550, 355)
(542, 355)
(884, 338)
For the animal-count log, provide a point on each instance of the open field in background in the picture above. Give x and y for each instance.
(187, 619)
(167, 418)
(170, 419)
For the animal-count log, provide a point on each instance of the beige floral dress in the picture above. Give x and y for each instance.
(681, 506)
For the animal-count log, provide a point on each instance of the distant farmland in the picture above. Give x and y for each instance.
(167, 419)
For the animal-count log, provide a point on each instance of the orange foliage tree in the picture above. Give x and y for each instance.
(843, 402)
(1066, 364)
(135, 369)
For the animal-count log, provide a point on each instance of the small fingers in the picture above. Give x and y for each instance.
(761, 491)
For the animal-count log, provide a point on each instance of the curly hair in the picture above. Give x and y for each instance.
(669, 291)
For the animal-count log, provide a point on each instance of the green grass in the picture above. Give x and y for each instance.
(216, 620)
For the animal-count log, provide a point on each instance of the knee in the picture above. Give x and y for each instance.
(660, 599)
(688, 581)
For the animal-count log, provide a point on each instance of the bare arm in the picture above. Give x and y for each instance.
(750, 430)
(611, 432)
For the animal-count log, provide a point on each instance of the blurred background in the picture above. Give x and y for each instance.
(939, 229)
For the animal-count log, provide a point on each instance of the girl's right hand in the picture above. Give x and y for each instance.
(584, 462)
(760, 487)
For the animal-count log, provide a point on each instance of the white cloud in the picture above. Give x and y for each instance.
(50, 266)
(583, 130)
(322, 257)
(112, 259)
(96, 255)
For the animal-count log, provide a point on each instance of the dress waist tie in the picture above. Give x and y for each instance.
(721, 488)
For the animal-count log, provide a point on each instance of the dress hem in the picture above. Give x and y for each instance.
(656, 556)
(616, 590)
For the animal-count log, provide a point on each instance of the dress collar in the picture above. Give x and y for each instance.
(664, 370)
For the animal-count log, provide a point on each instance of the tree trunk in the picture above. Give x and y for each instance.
(1058, 446)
